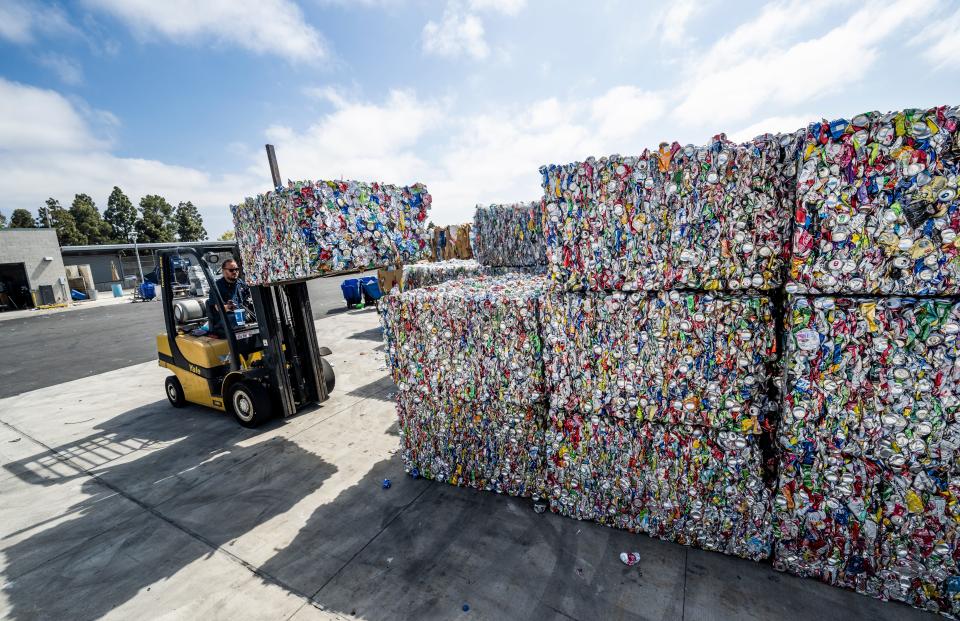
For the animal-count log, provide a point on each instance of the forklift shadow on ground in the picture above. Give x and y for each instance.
(209, 480)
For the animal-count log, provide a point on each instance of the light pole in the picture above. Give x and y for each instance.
(133, 236)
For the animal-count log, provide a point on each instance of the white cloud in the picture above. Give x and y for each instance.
(360, 140)
(495, 157)
(67, 69)
(262, 26)
(760, 63)
(48, 147)
(41, 121)
(507, 7)
(16, 23)
(773, 125)
(673, 20)
(941, 41)
(623, 110)
(458, 33)
(21, 21)
(361, 3)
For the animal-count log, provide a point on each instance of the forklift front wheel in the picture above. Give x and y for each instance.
(328, 376)
(249, 404)
(174, 392)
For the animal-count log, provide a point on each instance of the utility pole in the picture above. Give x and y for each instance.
(136, 251)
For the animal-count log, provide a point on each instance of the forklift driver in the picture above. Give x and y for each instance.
(235, 294)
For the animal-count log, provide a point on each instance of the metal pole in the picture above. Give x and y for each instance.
(274, 169)
(136, 251)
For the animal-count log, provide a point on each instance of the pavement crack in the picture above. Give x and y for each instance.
(561, 613)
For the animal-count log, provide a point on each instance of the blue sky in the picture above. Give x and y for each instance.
(468, 96)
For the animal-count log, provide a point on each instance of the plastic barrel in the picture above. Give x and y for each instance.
(117, 291)
(351, 291)
(148, 290)
(371, 288)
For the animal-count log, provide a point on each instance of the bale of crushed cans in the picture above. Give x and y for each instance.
(509, 235)
(312, 228)
(878, 211)
(471, 340)
(672, 357)
(657, 404)
(467, 358)
(488, 446)
(869, 435)
(427, 274)
(710, 217)
(692, 485)
(877, 376)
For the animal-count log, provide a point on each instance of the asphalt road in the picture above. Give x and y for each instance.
(44, 350)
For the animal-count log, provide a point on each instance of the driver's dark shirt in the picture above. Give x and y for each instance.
(237, 292)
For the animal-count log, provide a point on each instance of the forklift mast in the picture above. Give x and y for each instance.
(290, 349)
(290, 344)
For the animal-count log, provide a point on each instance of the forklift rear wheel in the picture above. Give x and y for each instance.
(249, 404)
(328, 376)
(174, 392)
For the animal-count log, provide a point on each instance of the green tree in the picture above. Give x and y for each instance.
(189, 223)
(120, 215)
(228, 236)
(88, 220)
(3, 221)
(21, 219)
(156, 220)
(67, 232)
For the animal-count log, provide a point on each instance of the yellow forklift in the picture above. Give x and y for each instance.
(267, 364)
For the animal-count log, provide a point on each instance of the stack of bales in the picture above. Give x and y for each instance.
(869, 486)
(660, 341)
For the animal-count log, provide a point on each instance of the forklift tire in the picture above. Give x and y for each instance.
(174, 392)
(249, 403)
(328, 376)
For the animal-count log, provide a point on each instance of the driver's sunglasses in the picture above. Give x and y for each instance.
(231, 269)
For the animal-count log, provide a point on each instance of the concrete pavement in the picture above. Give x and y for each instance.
(117, 506)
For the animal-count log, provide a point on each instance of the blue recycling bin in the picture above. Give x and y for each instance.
(371, 289)
(148, 290)
(352, 291)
